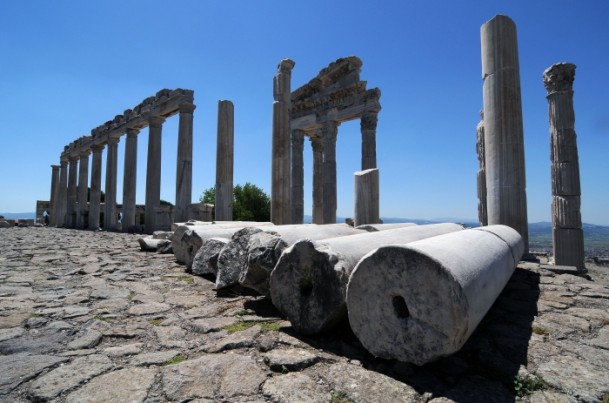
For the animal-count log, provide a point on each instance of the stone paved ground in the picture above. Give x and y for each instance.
(87, 316)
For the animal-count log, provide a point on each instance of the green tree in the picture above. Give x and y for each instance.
(250, 203)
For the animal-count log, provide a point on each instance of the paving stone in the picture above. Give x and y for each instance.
(213, 376)
(68, 376)
(18, 368)
(125, 385)
(295, 387)
(149, 308)
(88, 339)
(11, 332)
(207, 325)
(243, 339)
(290, 359)
(127, 349)
(157, 358)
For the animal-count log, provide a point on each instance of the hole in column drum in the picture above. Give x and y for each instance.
(400, 307)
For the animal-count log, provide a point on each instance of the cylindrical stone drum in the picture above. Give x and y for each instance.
(421, 301)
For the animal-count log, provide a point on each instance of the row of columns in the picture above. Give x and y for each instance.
(70, 185)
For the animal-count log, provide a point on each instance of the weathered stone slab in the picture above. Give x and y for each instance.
(213, 376)
(243, 339)
(157, 358)
(11, 332)
(123, 350)
(213, 324)
(295, 387)
(18, 368)
(149, 308)
(68, 376)
(88, 339)
(124, 385)
(290, 360)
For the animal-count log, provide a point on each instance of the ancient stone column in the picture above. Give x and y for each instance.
(366, 197)
(72, 192)
(329, 135)
(421, 301)
(281, 212)
(54, 194)
(225, 161)
(111, 214)
(318, 175)
(368, 127)
(503, 131)
(83, 189)
(129, 180)
(62, 194)
(481, 177)
(184, 164)
(297, 177)
(567, 233)
(95, 196)
(153, 172)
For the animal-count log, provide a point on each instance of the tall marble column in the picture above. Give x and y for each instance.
(111, 214)
(184, 164)
(225, 161)
(62, 193)
(54, 194)
(153, 172)
(368, 127)
(129, 179)
(281, 212)
(329, 135)
(481, 176)
(95, 195)
(318, 186)
(567, 233)
(297, 176)
(72, 192)
(503, 130)
(83, 189)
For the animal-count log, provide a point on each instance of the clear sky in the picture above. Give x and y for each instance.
(69, 66)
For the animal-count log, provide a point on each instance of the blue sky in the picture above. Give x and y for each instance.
(69, 66)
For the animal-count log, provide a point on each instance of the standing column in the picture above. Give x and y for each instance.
(567, 233)
(481, 177)
(503, 131)
(62, 193)
(297, 177)
(95, 195)
(367, 209)
(72, 176)
(129, 180)
(281, 212)
(318, 186)
(225, 161)
(83, 189)
(110, 215)
(184, 164)
(329, 134)
(54, 194)
(153, 172)
(368, 127)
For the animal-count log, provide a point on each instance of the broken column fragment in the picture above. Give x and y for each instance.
(309, 282)
(205, 261)
(422, 301)
(367, 197)
(233, 260)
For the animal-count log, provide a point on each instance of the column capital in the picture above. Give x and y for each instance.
(97, 148)
(132, 132)
(559, 77)
(55, 167)
(85, 152)
(187, 108)
(155, 121)
(113, 141)
(73, 158)
(285, 66)
(369, 121)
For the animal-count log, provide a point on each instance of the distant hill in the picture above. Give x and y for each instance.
(14, 216)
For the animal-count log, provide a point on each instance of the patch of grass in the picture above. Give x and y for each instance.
(186, 278)
(540, 330)
(246, 324)
(338, 396)
(101, 318)
(284, 369)
(157, 322)
(524, 386)
(241, 312)
(175, 360)
(131, 296)
(605, 398)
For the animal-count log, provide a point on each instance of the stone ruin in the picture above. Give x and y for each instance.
(315, 110)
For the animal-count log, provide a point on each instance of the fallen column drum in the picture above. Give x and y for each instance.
(309, 282)
(421, 301)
